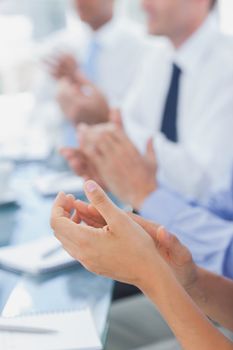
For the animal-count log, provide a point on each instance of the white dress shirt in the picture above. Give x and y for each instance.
(122, 46)
(201, 161)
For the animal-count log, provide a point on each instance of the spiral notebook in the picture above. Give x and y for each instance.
(74, 330)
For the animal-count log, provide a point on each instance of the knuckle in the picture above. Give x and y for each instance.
(53, 223)
(99, 199)
(72, 253)
(187, 255)
(174, 240)
(56, 234)
(87, 263)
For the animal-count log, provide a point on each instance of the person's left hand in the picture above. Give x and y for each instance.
(129, 175)
(121, 250)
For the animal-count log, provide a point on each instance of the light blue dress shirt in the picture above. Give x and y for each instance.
(90, 70)
(209, 237)
(222, 204)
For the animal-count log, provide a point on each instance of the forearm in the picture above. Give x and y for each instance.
(214, 295)
(192, 329)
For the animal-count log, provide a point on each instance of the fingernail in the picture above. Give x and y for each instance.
(70, 196)
(166, 235)
(61, 194)
(90, 186)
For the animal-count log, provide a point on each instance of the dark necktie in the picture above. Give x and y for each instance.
(169, 120)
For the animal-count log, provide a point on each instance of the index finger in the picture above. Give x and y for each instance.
(66, 229)
(62, 206)
(68, 152)
(58, 211)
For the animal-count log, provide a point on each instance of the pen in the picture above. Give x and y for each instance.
(25, 329)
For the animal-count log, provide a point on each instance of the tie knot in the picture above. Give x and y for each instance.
(176, 70)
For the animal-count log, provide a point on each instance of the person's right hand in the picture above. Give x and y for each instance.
(80, 164)
(82, 101)
(170, 248)
(62, 66)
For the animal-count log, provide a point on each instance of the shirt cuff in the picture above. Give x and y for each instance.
(162, 206)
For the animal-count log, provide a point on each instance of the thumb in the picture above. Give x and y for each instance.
(150, 152)
(67, 152)
(115, 118)
(150, 227)
(176, 251)
(109, 211)
(163, 238)
(80, 79)
(163, 244)
(179, 253)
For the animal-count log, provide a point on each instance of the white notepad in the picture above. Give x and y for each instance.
(39, 256)
(75, 331)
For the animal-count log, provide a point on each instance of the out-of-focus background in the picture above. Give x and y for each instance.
(25, 23)
(27, 27)
(34, 127)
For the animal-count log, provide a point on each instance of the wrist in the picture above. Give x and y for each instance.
(139, 198)
(149, 279)
(196, 290)
(160, 284)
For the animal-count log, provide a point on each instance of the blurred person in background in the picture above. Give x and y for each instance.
(98, 61)
(183, 100)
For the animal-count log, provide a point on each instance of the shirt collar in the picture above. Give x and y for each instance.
(104, 35)
(192, 51)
